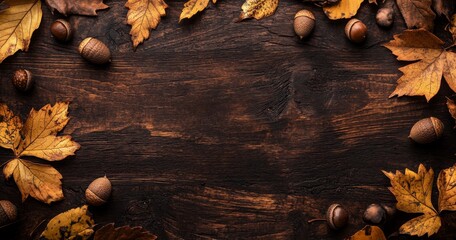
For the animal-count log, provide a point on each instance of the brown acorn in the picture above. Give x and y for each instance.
(22, 80)
(337, 217)
(304, 23)
(375, 214)
(385, 17)
(95, 51)
(61, 30)
(8, 212)
(98, 191)
(356, 31)
(427, 130)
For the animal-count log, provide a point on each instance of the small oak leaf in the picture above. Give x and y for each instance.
(76, 223)
(446, 183)
(17, 24)
(423, 77)
(42, 182)
(79, 7)
(192, 7)
(417, 13)
(144, 15)
(368, 233)
(343, 9)
(258, 9)
(108, 232)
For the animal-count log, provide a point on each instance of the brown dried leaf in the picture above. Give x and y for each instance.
(144, 15)
(451, 108)
(108, 232)
(422, 78)
(444, 7)
(258, 9)
(79, 7)
(446, 183)
(417, 13)
(343, 9)
(192, 7)
(76, 223)
(368, 233)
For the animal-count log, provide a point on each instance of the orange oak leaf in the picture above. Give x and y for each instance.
(79, 7)
(108, 232)
(417, 13)
(37, 137)
(423, 77)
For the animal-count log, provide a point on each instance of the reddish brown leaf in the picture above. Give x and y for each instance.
(79, 7)
(108, 232)
(417, 13)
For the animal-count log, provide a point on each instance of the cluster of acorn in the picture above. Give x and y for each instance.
(97, 194)
(337, 216)
(355, 29)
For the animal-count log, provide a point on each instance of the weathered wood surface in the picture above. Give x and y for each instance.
(220, 130)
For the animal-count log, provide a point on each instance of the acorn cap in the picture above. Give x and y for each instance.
(427, 130)
(22, 80)
(8, 212)
(98, 191)
(304, 23)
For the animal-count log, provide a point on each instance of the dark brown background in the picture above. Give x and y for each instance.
(216, 129)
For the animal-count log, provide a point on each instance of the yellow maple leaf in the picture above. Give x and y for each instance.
(144, 15)
(343, 9)
(17, 24)
(192, 7)
(75, 223)
(258, 9)
(368, 233)
(446, 183)
(38, 138)
(422, 78)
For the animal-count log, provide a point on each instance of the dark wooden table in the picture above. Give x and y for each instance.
(220, 130)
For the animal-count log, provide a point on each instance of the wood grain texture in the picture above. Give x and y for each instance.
(220, 130)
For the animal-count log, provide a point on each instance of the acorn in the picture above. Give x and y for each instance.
(22, 80)
(385, 17)
(304, 23)
(427, 130)
(98, 191)
(61, 30)
(356, 30)
(95, 51)
(375, 214)
(8, 212)
(337, 217)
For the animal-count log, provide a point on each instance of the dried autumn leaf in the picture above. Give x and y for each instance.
(42, 182)
(258, 9)
(343, 9)
(417, 13)
(144, 15)
(444, 7)
(75, 223)
(79, 7)
(451, 108)
(446, 183)
(413, 194)
(423, 77)
(17, 24)
(368, 233)
(38, 138)
(108, 232)
(192, 7)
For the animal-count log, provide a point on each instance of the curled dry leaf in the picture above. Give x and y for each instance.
(343, 9)
(451, 108)
(38, 138)
(76, 223)
(144, 15)
(79, 7)
(108, 232)
(417, 13)
(258, 9)
(368, 233)
(17, 24)
(192, 7)
(423, 77)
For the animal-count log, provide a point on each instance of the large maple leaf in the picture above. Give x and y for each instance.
(423, 77)
(37, 138)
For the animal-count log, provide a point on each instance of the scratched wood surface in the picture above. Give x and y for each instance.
(220, 130)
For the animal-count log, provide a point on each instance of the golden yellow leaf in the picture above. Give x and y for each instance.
(343, 9)
(368, 233)
(258, 9)
(17, 24)
(76, 223)
(446, 183)
(422, 78)
(192, 7)
(10, 125)
(144, 15)
(39, 181)
(419, 226)
(39, 134)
